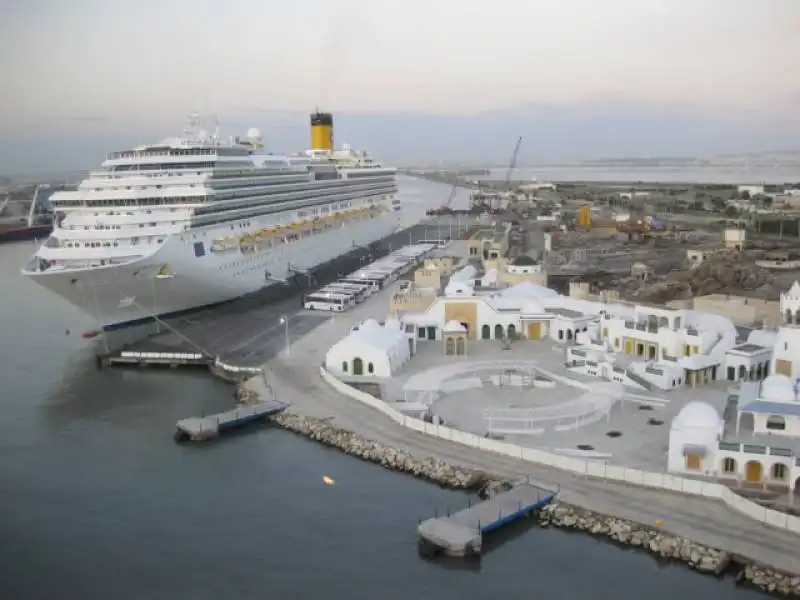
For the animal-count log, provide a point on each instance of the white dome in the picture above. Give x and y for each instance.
(528, 290)
(370, 324)
(392, 323)
(697, 415)
(532, 307)
(458, 288)
(465, 273)
(253, 133)
(454, 327)
(777, 388)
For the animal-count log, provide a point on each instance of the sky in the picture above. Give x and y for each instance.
(410, 80)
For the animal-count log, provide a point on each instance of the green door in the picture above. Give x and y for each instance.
(431, 333)
(358, 366)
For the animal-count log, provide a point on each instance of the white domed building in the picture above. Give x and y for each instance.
(371, 350)
(694, 440)
(757, 444)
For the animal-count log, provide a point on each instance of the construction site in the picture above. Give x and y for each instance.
(622, 243)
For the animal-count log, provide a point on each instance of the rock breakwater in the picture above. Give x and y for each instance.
(667, 546)
(430, 469)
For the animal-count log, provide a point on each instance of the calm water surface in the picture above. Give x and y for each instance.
(96, 501)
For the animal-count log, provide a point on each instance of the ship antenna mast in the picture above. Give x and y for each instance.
(216, 130)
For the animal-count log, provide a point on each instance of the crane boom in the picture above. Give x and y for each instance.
(513, 163)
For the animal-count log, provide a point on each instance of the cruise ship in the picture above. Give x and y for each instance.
(195, 221)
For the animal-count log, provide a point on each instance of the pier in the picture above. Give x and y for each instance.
(210, 427)
(461, 534)
(248, 331)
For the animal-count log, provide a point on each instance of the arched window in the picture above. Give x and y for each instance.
(486, 332)
(776, 422)
(344, 366)
(370, 368)
(729, 466)
(779, 472)
(449, 347)
(569, 334)
(742, 372)
(498, 332)
(358, 366)
(788, 317)
(512, 331)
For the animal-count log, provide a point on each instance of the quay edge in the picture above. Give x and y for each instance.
(655, 540)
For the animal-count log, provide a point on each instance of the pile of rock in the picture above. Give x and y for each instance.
(664, 545)
(246, 397)
(430, 469)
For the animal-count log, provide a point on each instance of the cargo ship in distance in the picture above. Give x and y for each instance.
(195, 221)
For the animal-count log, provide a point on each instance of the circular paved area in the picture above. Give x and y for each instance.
(510, 397)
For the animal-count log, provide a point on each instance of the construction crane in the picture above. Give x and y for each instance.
(445, 208)
(511, 166)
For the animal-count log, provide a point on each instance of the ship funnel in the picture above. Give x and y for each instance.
(322, 131)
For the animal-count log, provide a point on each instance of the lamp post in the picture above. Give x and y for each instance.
(285, 322)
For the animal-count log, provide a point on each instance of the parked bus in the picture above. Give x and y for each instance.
(437, 243)
(373, 284)
(360, 292)
(328, 301)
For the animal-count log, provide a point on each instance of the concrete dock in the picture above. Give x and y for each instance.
(248, 331)
(207, 428)
(461, 534)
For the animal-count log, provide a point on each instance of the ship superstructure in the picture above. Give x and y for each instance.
(194, 220)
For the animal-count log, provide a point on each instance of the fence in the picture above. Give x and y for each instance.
(234, 369)
(575, 465)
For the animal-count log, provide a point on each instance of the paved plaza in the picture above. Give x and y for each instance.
(635, 433)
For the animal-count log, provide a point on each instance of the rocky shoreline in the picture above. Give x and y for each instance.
(670, 547)
(429, 469)
(652, 539)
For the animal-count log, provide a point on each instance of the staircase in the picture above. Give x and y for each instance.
(639, 380)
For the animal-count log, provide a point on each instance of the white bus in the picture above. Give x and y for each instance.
(372, 284)
(379, 278)
(437, 243)
(360, 292)
(328, 301)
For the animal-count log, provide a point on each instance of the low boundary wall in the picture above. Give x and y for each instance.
(578, 466)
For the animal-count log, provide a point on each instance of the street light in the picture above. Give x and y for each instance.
(285, 322)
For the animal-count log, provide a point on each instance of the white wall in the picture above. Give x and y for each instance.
(575, 465)
(679, 438)
(792, 426)
(768, 461)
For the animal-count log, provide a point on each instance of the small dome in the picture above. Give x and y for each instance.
(777, 388)
(370, 324)
(523, 260)
(454, 327)
(532, 308)
(697, 415)
(458, 288)
(392, 323)
(528, 290)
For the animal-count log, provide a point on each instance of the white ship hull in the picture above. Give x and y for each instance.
(118, 296)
